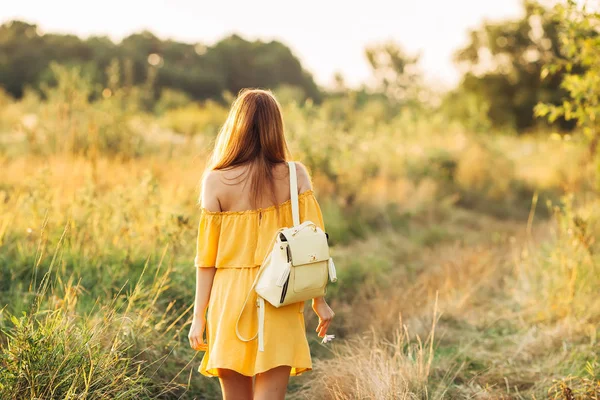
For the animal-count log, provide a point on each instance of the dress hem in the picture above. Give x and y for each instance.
(295, 371)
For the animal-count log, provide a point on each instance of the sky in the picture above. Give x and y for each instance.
(328, 36)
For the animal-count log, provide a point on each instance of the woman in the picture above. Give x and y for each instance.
(245, 199)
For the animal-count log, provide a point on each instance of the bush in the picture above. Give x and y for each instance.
(70, 122)
(561, 279)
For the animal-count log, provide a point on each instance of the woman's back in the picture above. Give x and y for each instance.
(231, 189)
(233, 233)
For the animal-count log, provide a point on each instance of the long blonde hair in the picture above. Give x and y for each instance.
(253, 134)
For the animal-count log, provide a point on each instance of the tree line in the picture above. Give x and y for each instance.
(504, 64)
(200, 71)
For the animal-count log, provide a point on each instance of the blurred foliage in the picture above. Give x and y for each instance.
(68, 121)
(377, 143)
(202, 72)
(579, 33)
(503, 66)
(192, 119)
(395, 72)
(468, 108)
(504, 73)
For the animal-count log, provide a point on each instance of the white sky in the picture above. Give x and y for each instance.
(327, 36)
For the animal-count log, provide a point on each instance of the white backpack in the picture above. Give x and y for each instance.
(297, 268)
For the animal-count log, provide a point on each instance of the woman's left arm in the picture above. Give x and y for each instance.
(204, 282)
(204, 274)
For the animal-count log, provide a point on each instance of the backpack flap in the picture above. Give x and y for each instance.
(307, 244)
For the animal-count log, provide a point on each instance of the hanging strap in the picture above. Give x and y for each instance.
(237, 322)
(294, 193)
(260, 303)
(261, 324)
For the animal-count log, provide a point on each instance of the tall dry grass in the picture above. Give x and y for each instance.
(371, 366)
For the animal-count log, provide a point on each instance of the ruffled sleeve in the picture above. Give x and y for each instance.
(310, 210)
(207, 244)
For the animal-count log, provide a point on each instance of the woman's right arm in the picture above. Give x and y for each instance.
(319, 305)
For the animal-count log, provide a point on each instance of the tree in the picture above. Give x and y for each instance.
(503, 64)
(21, 49)
(395, 71)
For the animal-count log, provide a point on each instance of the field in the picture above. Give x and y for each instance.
(468, 263)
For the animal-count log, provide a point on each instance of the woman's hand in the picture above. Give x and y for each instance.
(325, 314)
(196, 333)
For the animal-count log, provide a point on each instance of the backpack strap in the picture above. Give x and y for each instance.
(294, 193)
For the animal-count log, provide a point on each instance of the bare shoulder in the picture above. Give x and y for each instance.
(304, 179)
(211, 189)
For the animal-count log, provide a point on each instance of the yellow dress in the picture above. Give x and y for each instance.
(235, 242)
